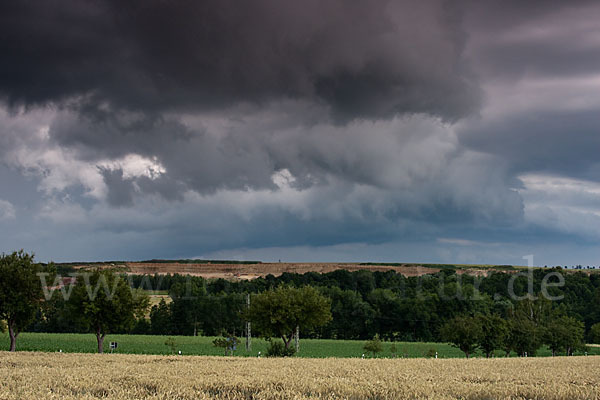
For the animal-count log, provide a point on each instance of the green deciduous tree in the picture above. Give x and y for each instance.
(527, 325)
(525, 336)
(277, 312)
(564, 334)
(594, 335)
(494, 333)
(21, 292)
(463, 332)
(103, 302)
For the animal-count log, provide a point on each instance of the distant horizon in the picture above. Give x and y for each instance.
(374, 263)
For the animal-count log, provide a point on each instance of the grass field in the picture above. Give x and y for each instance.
(118, 377)
(201, 345)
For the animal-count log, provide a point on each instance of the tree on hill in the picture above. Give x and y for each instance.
(463, 332)
(279, 312)
(103, 302)
(494, 332)
(21, 292)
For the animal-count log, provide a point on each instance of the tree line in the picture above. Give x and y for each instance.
(362, 304)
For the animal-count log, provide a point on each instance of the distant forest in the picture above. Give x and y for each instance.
(363, 303)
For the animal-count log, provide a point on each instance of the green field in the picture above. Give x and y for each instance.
(201, 345)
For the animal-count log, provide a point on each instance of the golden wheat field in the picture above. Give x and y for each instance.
(85, 376)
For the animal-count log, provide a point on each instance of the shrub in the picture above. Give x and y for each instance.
(170, 343)
(228, 344)
(374, 346)
(277, 349)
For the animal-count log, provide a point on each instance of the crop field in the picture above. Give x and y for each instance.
(202, 345)
(116, 376)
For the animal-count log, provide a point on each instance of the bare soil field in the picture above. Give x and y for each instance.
(252, 271)
(114, 376)
(240, 271)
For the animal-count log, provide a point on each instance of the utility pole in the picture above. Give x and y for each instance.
(248, 327)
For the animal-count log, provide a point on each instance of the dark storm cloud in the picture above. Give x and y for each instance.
(540, 64)
(563, 143)
(520, 39)
(313, 123)
(120, 190)
(359, 57)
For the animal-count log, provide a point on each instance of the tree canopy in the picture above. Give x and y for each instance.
(103, 302)
(278, 312)
(463, 332)
(21, 292)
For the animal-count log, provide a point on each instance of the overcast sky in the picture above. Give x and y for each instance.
(339, 130)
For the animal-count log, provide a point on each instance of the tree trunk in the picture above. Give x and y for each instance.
(553, 352)
(488, 354)
(100, 338)
(13, 335)
(467, 354)
(288, 341)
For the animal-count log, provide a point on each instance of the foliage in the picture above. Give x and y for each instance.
(228, 344)
(103, 302)
(564, 334)
(365, 303)
(277, 312)
(21, 292)
(374, 346)
(594, 335)
(463, 332)
(171, 344)
(160, 319)
(527, 325)
(494, 333)
(278, 349)
(525, 336)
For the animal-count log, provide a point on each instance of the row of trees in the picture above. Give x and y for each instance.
(530, 325)
(103, 302)
(365, 303)
(359, 304)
